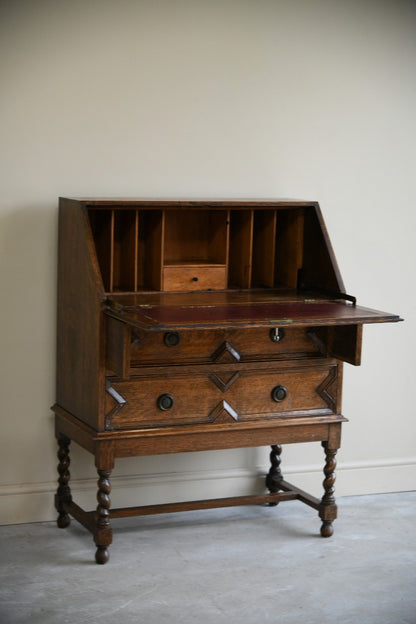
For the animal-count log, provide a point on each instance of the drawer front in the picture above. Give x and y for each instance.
(194, 277)
(221, 395)
(222, 346)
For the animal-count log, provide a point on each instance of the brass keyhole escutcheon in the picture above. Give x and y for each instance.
(277, 334)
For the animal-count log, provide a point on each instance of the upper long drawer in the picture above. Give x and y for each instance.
(130, 347)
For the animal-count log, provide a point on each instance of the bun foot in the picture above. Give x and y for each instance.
(327, 529)
(63, 521)
(101, 555)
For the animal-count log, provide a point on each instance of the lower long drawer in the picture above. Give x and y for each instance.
(221, 394)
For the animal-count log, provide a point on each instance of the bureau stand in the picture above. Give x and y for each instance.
(199, 325)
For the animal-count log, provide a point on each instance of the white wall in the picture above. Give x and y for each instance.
(171, 98)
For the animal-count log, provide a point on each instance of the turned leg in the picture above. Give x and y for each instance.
(103, 533)
(274, 476)
(328, 508)
(63, 494)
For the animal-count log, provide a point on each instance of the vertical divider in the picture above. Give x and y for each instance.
(111, 277)
(150, 249)
(227, 244)
(140, 250)
(102, 228)
(160, 233)
(289, 247)
(125, 244)
(136, 251)
(240, 248)
(264, 249)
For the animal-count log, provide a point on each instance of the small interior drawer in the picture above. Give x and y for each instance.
(194, 277)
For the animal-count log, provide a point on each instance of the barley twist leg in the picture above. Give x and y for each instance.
(103, 531)
(63, 494)
(274, 476)
(328, 508)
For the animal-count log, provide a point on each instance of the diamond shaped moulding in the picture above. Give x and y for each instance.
(224, 380)
(225, 353)
(327, 389)
(223, 412)
(118, 402)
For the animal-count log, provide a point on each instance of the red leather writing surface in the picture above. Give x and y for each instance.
(280, 313)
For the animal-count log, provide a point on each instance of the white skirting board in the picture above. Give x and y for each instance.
(27, 502)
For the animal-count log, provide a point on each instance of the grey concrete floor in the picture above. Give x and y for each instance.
(247, 565)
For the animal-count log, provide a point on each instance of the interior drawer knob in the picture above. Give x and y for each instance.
(279, 393)
(165, 402)
(171, 339)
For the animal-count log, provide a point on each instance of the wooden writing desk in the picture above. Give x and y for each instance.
(199, 325)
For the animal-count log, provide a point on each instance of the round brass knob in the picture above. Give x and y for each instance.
(165, 402)
(279, 393)
(171, 339)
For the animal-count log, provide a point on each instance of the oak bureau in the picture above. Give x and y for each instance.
(199, 325)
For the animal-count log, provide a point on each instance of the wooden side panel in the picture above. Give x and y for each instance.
(345, 343)
(80, 327)
(118, 344)
(320, 269)
(342, 342)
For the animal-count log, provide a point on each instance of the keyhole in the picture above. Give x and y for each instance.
(277, 334)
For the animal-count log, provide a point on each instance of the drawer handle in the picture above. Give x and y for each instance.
(165, 402)
(279, 393)
(277, 334)
(171, 339)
